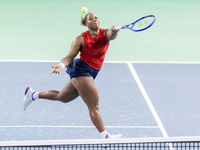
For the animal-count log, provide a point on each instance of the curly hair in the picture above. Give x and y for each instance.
(83, 19)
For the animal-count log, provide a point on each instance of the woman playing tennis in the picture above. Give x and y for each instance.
(92, 45)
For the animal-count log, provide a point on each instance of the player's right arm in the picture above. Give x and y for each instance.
(111, 33)
(73, 52)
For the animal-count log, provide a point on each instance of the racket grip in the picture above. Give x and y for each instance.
(119, 27)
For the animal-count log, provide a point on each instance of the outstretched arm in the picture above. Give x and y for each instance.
(112, 32)
(73, 52)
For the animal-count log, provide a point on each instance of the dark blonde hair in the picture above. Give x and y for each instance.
(83, 19)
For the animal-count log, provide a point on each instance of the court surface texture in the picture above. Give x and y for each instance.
(136, 100)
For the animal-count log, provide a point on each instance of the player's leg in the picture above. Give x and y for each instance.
(67, 94)
(88, 92)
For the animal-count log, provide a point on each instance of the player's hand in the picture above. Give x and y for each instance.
(57, 69)
(113, 29)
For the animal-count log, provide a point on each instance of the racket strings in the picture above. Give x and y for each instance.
(140, 24)
(143, 23)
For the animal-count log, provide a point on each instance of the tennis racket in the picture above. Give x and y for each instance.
(140, 24)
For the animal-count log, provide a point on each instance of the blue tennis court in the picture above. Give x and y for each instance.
(148, 87)
(126, 91)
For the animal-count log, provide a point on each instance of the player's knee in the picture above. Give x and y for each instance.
(93, 107)
(65, 99)
(60, 98)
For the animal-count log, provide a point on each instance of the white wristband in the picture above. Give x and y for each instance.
(63, 65)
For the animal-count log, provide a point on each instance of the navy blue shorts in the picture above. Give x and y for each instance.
(78, 68)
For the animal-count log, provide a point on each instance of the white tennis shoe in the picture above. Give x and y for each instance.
(28, 98)
(108, 136)
(117, 136)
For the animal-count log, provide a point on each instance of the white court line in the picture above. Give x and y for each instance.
(45, 61)
(137, 62)
(146, 97)
(152, 62)
(50, 126)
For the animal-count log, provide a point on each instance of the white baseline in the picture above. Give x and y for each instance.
(51, 126)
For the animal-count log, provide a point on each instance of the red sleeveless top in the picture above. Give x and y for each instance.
(94, 49)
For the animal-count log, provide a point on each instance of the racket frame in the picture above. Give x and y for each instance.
(133, 23)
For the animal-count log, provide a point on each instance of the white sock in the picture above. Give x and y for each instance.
(35, 95)
(104, 134)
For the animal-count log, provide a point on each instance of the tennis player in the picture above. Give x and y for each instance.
(92, 45)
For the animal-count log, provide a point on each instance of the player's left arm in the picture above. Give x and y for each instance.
(111, 33)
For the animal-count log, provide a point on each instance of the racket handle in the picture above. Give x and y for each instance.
(119, 27)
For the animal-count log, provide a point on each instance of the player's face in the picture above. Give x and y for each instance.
(92, 21)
